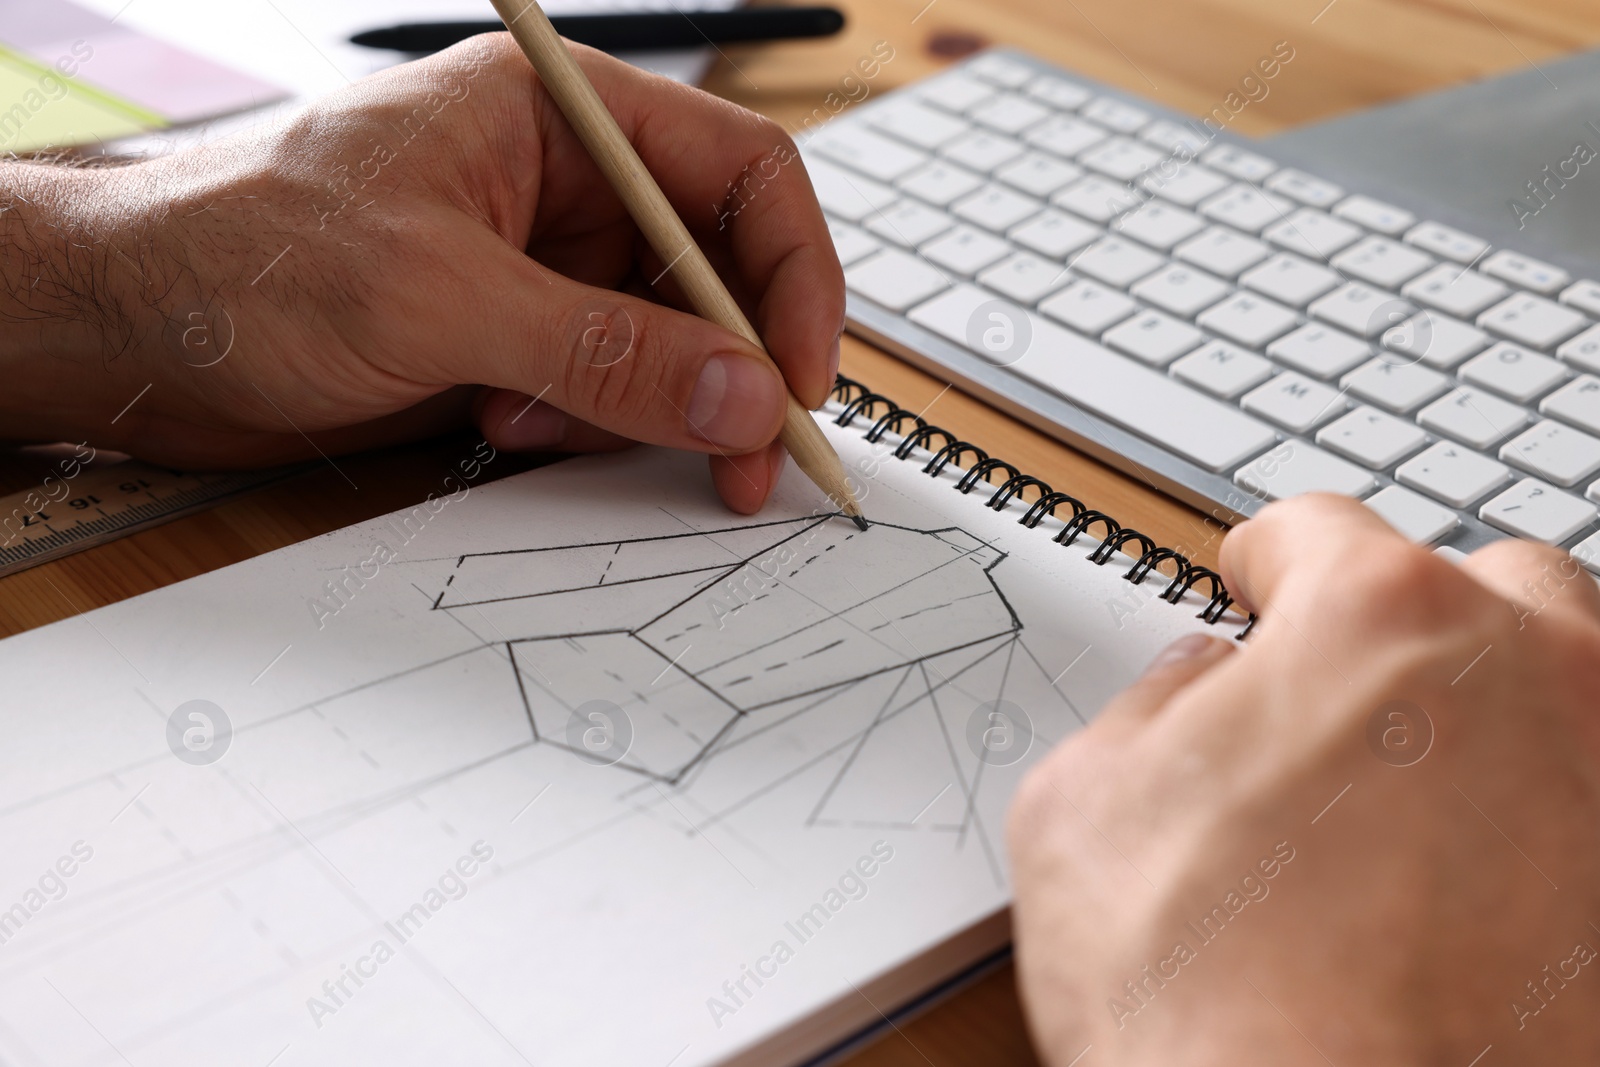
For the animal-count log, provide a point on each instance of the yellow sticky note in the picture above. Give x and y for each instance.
(39, 108)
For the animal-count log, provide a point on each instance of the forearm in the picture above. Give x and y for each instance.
(66, 295)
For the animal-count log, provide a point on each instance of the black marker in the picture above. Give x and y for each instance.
(639, 32)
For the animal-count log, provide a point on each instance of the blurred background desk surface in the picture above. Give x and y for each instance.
(1188, 54)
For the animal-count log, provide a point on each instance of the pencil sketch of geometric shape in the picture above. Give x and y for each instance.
(741, 620)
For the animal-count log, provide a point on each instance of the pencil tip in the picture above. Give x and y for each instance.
(860, 521)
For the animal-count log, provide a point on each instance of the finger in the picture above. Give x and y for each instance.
(736, 179)
(629, 366)
(1173, 670)
(515, 422)
(1535, 577)
(1259, 556)
(785, 254)
(745, 482)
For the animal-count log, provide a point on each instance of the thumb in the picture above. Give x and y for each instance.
(635, 368)
(1173, 669)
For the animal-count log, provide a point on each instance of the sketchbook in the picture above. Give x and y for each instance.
(569, 767)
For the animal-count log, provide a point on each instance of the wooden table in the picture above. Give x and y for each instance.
(1188, 54)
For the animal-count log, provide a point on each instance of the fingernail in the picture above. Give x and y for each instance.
(833, 364)
(734, 402)
(1193, 646)
(779, 459)
(532, 427)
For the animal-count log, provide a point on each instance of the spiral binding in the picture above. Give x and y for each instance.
(946, 448)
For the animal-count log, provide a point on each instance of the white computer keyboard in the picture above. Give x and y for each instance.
(1228, 329)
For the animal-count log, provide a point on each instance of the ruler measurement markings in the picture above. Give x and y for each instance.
(166, 494)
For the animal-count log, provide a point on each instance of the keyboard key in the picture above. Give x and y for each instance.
(1246, 166)
(1222, 369)
(1583, 350)
(1208, 433)
(1361, 309)
(1375, 215)
(1054, 234)
(1443, 241)
(1538, 512)
(1191, 184)
(996, 208)
(1417, 519)
(1222, 252)
(1038, 174)
(981, 150)
(1116, 262)
(1058, 92)
(1153, 338)
(866, 152)
(1514, 372)
(1434, 339)
(895, 279)
(1399, 387)
(1294, 402)
(1319, 350)
(1452, 474)
(1244, 207)
(1124, 118)
(1553, 451)
(939, 183)
(1064, 135)
(1001, 69)
(955, 91)
(849, 196)
(1583, 295)
(1008, 112)
(1532, 320)
(965, 250)
(908, 223)
(1294, 468)
(1096, 199)
(1181, 290)
(1310, 191)
(1159, 225)
(850, 243)
(1173, 137)
(1088, 307)
(1251, 320)
(1121, 158)
(1313, 234)
(1473, 417)
(1372, 438)
(1526, 272)
(1290, 280)
(1024, 277)
(915, 123)
(1382, 262)
(1587, 552)
(1463, 293)
(1577, 402)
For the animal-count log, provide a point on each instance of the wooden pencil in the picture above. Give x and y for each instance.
(661, 226)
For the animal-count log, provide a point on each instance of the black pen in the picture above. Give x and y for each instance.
(638, 32)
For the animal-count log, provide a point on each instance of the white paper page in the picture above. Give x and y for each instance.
(411, 849)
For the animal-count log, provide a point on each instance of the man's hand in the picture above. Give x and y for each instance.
(436, 225)
(1368, 837)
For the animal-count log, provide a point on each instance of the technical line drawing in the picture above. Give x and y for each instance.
(746, 628)
(812, 607)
